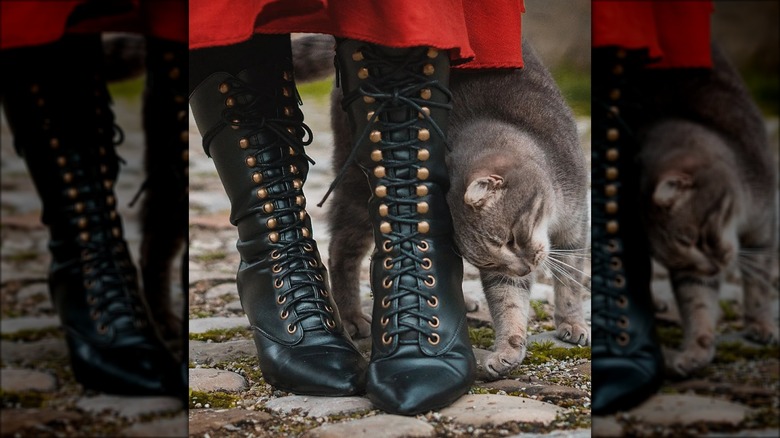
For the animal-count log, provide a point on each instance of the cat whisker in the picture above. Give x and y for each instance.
(563, 272)
(562, 263)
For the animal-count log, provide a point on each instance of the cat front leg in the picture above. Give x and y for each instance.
(697, 298)
(755, 267)
(570, 322)
(508, 300)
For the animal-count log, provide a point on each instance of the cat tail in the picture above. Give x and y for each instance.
(313, 57)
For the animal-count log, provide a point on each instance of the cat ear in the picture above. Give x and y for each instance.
(671, 189)
(483, 191)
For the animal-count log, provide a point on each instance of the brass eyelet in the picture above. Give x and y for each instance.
(329, 308)
(623, 339)
(278, 283)
(434, 339)
(387, 246)
(387, 283)
(430, 282)
(619, 281)
(433, 301)
(388, 263)
(613, 246)
(384, 321)
(308, 247)
(426, 264)
(324, 293)
(622, 301)
(313, 263)
(423, 246)
(319, 277)
(275, 255)
(94, 314)
(615, 263)
(434, 323)
(623, 322)
(330, 323)
(386, 340)
(291, 328)
(281, 300)
(276, 269)
(91, 300)
(102, 329)
(385, 303)
(284, 315)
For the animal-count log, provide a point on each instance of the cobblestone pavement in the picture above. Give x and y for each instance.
(39, 395)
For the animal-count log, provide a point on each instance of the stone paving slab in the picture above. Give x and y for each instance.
(175, 427)
(22, 380)
(210, 353)
(128, 407)
(15, 325)
(378, 426)
(202, 325)
(489, 409)
(32, 352)
(202, 421)
(209, 380)
(319, 406)
(14, 421)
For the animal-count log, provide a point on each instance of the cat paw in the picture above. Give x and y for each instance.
(500, 363)
(574, 333)
(472, 305)
(683, 363)
(762, 332)
(357, 324)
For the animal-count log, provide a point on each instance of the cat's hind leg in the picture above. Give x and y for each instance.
(350, 241)
(697, 298)
(755, 267)
(508, 300)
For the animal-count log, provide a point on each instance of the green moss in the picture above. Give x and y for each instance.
(538, 307)
(27, 399)
(129, 89)
(32, 335)
(728, 352)
(539, 353)
(221, 335)
(482, 337)
(211, 256)
(575, 87)
(671, 336)
(765, 89)
(318, 91)
(215, 400)
(728, 310)
(22, 256)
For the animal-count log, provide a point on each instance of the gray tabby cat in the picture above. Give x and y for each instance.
(710, 192)
(518, 197)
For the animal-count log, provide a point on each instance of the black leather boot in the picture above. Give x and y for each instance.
(164, 212)
(253, 130)
(63, 126)
(626, 357)
(398, 103)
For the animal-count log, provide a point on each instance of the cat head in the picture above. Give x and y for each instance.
(500, 223)
(691, 209)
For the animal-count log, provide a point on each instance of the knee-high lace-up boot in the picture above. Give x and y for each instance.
(63, 126)
(164, 212)
(254, 132)
(398, 103)
(627, 361)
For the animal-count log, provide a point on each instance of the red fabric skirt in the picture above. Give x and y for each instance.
(676, 33)
(478, 35)
(36, 22)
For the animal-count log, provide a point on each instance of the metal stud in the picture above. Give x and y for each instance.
(423, 227)
(274, 237)
(422, 190)
(67, 177)
(251, 161)
(610, 190)
(293, 169)
(82, 223)
(243, 143)
(614, 94)
(302, 215)
(370, 115)
(612, 227)
(425, 93)
(428, 70)
(184, 136)
(54, 143)
(385, 227)
(612, 207)
(257, 177)
(617, 70)
(357, 56)
(300, 200)
(230, 102)
(84, 236)
(73, 193)
(305, 232)
(363, 73)
(612, 154)
(368, 99)
(286, 92)
(613, 134)
(383, 210)
(376, 155)
(621, 53)
(287, 76)
(612, 173)
(375, 136)
(422, 207)
(291, 151)
(61, 161)
(422, 173)
(423, 135)
(116, 232)
(289, 111)
(379, 172)
(79, 207)
(380, 191)
(107, 184)
(262, 193)
(425, 112)
(268, 207)
(271, 223)
(432, 53)
(224, 87)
